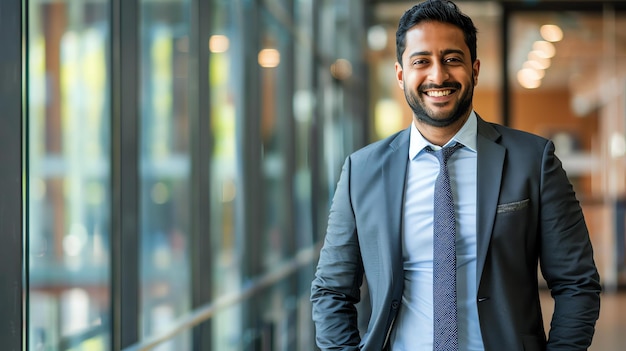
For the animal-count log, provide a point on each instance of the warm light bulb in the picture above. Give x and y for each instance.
(269, 58)
(546, 48)
(551, 32)
(218, 43)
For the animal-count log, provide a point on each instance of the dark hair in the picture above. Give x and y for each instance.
(439, 11)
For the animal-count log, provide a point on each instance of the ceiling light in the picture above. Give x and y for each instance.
(551, 32)
(537, 56)
(341, 69)
(544, 47)
(269, 58)
(218, 43)
(377, 38)
(527, 78)
(538, 71)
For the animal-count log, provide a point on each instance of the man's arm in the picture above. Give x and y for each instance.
(336, 287)
(567, 260)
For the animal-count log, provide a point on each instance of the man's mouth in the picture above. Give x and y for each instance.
(438, 93)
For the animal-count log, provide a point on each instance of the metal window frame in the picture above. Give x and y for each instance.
(12, 186)
(124, 67)
(201, 151)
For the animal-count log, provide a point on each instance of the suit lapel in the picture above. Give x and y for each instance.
(394, 169)
(489, 178)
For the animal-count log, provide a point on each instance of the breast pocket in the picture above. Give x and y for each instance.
(511, 223)
(513, 206)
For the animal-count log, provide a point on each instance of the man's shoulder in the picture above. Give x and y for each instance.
(516, 136)
(391, 142)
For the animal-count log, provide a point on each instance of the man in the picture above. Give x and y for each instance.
(513, 209)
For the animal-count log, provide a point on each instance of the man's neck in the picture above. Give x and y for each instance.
(439, 135)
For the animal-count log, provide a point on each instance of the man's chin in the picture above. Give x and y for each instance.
(437, 121)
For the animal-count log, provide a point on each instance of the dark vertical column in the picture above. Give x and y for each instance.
(286, 86)
(11, 186)
(249, 137)
(252, 196)
(288, 149)
(201, 151)
(125, 178)
(316, 135)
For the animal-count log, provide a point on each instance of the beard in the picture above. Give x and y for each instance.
(439, 119)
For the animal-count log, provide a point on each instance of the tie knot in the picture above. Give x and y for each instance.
(444, 153)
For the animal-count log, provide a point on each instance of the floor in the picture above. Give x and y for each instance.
(611, 327)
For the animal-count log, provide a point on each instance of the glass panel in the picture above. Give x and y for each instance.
(68, 155)
(164, 167)
(275, 58)
(263, 67)
(226, 87)
(305, 196)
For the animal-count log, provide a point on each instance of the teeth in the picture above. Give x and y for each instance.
(439, 93)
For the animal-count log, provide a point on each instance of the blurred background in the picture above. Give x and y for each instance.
(177, 158)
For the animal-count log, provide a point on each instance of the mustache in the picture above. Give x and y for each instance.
(452, 85)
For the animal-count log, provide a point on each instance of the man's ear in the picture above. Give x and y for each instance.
(475, 70)
(400, 75)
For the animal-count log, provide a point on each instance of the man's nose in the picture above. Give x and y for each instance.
(438, 73)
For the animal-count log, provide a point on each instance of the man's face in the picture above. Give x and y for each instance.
(437, 74)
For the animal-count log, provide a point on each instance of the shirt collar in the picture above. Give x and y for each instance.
(466, 136)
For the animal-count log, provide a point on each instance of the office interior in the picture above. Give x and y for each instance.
(168, 165)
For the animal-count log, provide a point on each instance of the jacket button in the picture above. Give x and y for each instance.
(395, 304)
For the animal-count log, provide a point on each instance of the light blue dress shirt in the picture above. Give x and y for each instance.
(413, 328)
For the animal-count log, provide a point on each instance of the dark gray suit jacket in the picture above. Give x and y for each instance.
(527, 215)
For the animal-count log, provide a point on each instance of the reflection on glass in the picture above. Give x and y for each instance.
(68, 138)
(164, 168)
(225, 88)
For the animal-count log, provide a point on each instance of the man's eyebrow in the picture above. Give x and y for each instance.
(453, 51)
(420, 53)
(444, 52)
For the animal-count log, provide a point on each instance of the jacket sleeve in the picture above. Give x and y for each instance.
(336, 287)
(567, 260)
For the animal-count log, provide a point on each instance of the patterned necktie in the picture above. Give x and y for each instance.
(444, 257)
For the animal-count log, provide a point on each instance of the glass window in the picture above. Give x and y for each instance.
(266, 79)
(226, 195)
(68, 156)
(164, 166)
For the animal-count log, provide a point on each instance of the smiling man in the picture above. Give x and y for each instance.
(437, 73)
(449, 219)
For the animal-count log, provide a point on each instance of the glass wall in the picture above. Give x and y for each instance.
(250, 106)
(272, 120)
(164, 166)
(69, 176)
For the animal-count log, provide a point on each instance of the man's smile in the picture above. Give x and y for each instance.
(438, 93)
